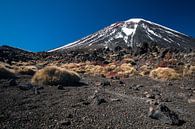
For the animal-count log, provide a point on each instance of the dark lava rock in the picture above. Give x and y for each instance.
(99, 101)
(151, 96)
(61, 88)
(12, 82)
(164, 114)
(164, 52)
(121, 82)
(106, 83)
(86, 103)
(25, 87)
(65, 123)
(136, 87)
(69, 116)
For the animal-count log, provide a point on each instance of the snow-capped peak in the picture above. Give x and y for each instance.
(138, 20)
(135, 20)
(132, 32)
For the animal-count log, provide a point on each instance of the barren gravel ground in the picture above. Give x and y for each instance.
(99, 103)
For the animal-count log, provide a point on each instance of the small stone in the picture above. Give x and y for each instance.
(25, 87)
(136, 87)
(65, 123)
(12, 82)
(106, 83)
(151, 96)
(98, 101)
(98, 83)
(170, 84)
(60, 87)
(69, 116)
(40, 88)
(115, 100)
(86, 103)
(164, 114)
(152, 102)
(121, 82)
(2, 117)
(167, 100)
(191, 100)
(36, 91)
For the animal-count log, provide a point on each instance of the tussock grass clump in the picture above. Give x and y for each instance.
(26, 70)
(78, 67)
(94, 69)
(164, 73)
(144, 70)
(188, 70)
(6, 73)
(52, 75)
(127, 69)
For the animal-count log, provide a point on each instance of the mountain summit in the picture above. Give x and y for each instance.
(132, 33)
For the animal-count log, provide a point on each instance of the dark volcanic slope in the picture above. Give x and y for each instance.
(118, 105)
(8, 53)
(133, 33)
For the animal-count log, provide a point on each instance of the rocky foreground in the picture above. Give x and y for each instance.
(98, 103)
(118, 89)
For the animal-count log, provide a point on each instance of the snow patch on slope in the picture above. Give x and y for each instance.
(128, 31)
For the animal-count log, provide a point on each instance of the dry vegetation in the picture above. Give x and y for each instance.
(26, 70)
(188, 70)
(108, 70)
(53, 75)
(144, 70)
(164, 73)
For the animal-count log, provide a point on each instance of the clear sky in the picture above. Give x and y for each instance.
(40, 25)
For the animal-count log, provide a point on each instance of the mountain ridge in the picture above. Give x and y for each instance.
(132, 33)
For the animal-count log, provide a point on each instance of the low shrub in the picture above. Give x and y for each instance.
(26, 70)
(164, 74)
(52, 75)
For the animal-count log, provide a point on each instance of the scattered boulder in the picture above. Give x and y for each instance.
(191, 100)
(53, 75)
(60, 87)
(106, 83)
(6, 73)
(65, 123)
(136, 86)
(164, 114)
(164, 74)
(12, 82)
(25, 87)
(98, 100)
(151, 96)
(69, 116)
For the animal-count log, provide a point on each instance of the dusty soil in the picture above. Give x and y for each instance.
(97, 103)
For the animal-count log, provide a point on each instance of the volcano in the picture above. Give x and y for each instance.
(132, 33)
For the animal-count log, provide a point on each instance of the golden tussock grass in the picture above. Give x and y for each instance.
(127, 69)
(52, 75)
(26, 70)
(164, 73)
(188, 70)
(144, 70)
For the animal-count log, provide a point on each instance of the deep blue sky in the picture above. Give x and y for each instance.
(40, 25)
